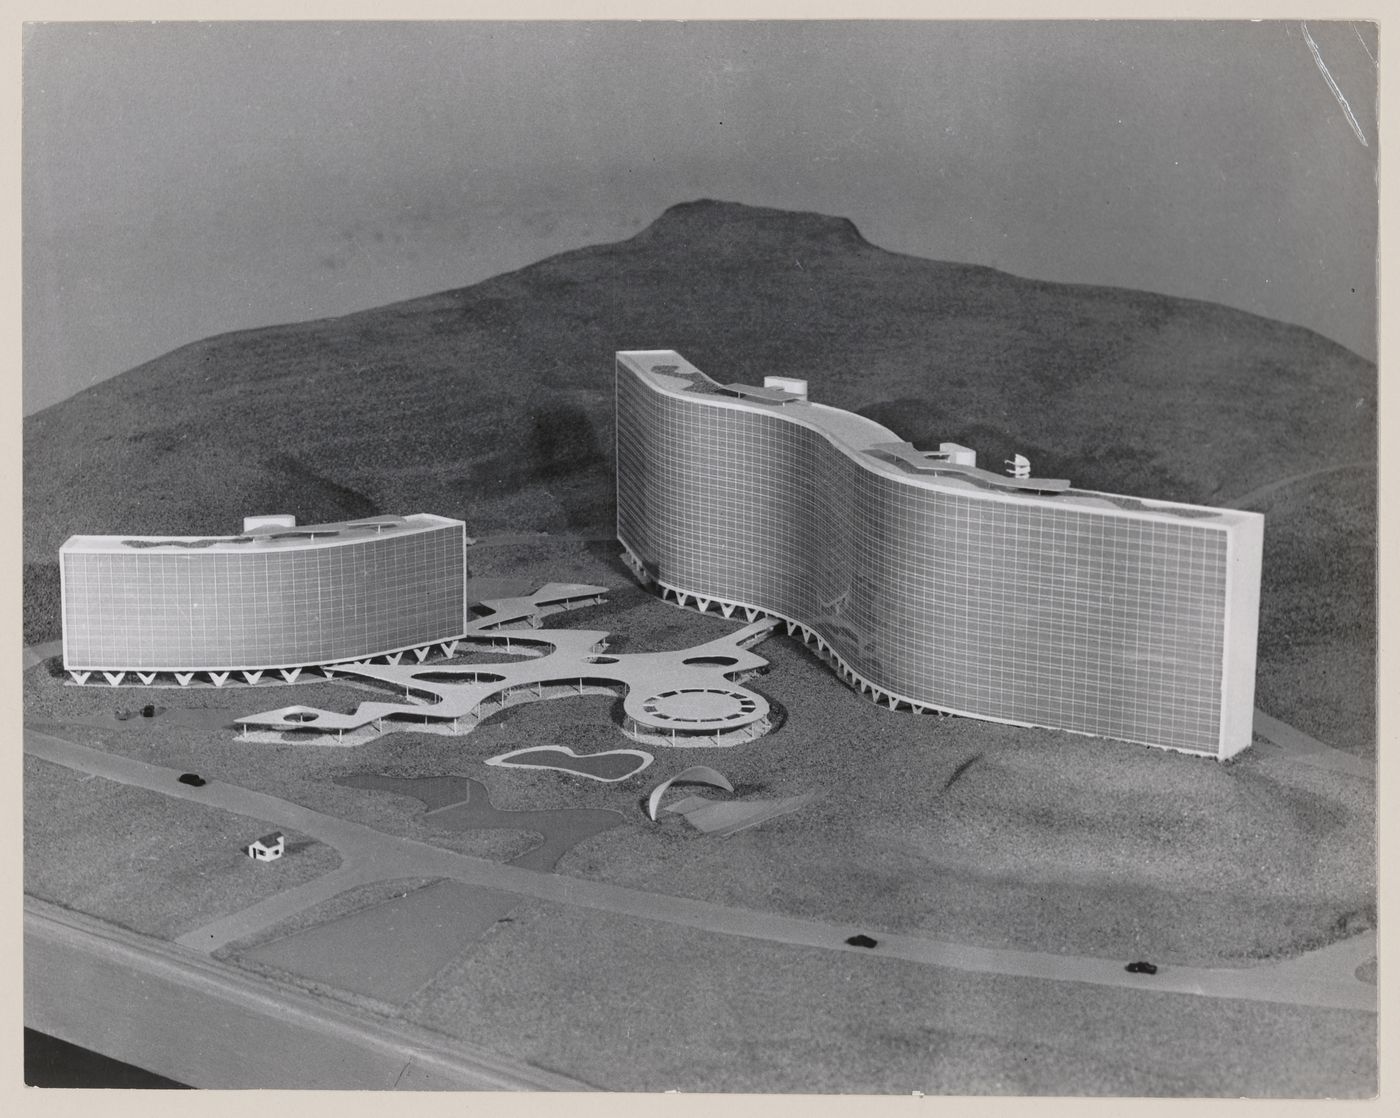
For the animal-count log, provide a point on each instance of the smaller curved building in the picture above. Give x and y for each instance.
(279, 596)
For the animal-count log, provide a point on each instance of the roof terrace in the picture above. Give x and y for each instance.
(270, 536)
(880, 449)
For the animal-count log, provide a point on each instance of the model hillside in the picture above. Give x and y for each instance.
(493, 404)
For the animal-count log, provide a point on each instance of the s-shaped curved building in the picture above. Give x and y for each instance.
(931, 583)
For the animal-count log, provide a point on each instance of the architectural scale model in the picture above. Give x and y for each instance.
(608, 766)
(276, 598)
(687, 697)
(930, 583)
(720, 817)
(268, 848)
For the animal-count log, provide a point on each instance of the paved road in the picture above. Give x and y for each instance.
(1321, 979)
(201, 1022)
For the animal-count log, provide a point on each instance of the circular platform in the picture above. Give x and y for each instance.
(696, 706)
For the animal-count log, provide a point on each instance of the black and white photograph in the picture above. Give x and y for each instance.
(829, 557)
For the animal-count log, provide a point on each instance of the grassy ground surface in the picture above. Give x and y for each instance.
(948, 827)
(342, 904)
(145, 861)
(1317, 637)
(655, 1007)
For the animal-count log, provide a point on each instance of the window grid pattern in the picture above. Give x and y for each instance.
(188, 610)
(1018, 610)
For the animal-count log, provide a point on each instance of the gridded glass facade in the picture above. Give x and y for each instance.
(254, 605)
(1011, 608)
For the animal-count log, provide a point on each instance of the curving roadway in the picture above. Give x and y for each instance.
(1324, 978)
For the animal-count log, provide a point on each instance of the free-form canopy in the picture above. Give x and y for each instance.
(696, 774)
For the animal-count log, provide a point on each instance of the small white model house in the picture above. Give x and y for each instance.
(268, 848)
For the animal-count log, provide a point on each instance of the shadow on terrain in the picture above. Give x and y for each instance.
(428, 927)
(456, 803)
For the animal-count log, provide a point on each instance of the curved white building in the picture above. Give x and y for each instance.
(932, 583)
(277, 597)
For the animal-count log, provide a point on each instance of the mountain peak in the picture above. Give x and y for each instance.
(731, 228)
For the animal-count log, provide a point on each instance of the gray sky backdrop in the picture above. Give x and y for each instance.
(181, 180)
